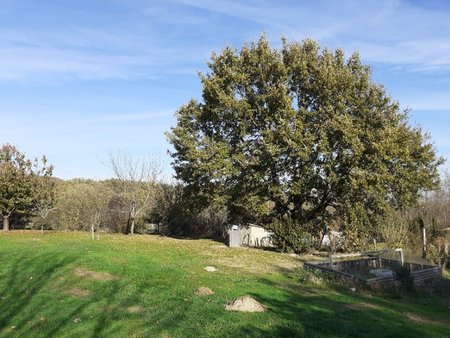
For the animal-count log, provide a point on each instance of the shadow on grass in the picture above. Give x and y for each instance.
(331, 311)
(29, 287)
(35, 301)
(105, 318)
(27, 277)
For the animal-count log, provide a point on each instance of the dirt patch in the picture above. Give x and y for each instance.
(80, 293)
(419, 319)
(25, 232)
(135, 309)
(204, 291)
(100, 276)
(245, 304)
(110, 308)
(362, 306)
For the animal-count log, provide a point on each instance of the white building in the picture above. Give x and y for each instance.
(250, 235)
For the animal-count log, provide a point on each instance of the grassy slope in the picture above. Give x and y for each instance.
(153, 292)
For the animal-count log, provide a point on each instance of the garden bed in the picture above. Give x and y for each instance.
(375, 270)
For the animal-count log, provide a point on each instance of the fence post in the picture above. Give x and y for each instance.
(424, 243)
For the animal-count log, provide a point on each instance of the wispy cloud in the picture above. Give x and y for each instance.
(434, 100)
(89, 54)
(170, 37)
(388, 31)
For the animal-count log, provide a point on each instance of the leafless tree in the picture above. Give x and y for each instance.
(96, 219)
(139, 183)
(44, 190)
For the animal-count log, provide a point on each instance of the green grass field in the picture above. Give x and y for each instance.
(68, 285)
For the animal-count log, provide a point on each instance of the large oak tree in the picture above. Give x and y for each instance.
(299, 132)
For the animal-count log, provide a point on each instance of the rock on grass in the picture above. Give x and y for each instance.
(210, 268)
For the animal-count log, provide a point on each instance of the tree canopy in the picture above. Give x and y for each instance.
(25, 187)
(299, 132)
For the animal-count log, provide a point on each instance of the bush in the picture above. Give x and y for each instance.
(177, 217)
(290, 236)
(394, 229)
(358, 228)
(438, 252)
(210, 222)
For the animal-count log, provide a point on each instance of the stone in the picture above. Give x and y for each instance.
(210, 269)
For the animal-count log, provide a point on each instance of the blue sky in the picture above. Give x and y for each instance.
(79, 79)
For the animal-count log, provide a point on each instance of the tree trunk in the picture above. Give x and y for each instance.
(132, 227)
(5, 222)
(133, 217)
(321, 235)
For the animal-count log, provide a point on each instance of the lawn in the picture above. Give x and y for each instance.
(68, 285)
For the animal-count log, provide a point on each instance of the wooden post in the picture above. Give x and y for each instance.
(401, 256)
(424, 243)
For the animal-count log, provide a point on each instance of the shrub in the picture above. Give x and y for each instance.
(438, 252)
(393, 229)
(290, 236)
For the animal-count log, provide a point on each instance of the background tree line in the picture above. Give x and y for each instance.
(80, 204)
(135, 201)
(43, 202)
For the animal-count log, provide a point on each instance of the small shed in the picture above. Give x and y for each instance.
(249, 235)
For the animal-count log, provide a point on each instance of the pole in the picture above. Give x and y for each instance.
(424, 243)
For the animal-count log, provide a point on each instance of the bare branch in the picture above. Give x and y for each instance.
(139, 179)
